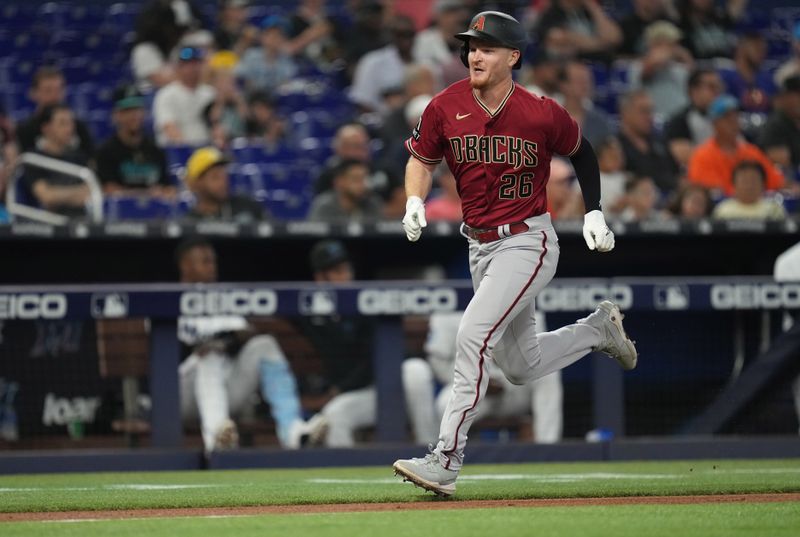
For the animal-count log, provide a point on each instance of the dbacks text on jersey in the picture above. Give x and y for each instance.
(495, 149)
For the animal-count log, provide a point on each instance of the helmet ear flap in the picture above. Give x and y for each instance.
(465, 53)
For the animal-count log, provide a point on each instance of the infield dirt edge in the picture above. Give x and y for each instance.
(430, 504)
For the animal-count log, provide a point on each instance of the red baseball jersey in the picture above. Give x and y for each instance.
(501, 161)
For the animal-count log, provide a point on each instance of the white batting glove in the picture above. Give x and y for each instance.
(414, 220)
(596, 232)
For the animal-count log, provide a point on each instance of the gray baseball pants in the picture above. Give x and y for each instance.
(499, 325)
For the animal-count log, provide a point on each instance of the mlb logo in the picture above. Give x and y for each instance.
(671, 297)
(317, 302)
(110, 306)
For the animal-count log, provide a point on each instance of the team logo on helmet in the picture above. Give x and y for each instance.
(479, 23)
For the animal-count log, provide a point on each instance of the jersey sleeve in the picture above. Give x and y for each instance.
(565, 134)
(427, 141)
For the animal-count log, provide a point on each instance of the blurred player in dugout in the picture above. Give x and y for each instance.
(227, 362)
(542, 397)
(345, 345)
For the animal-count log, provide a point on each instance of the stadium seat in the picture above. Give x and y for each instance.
(120, 17)
(125, 207)
(17, 16)
(285, 205)
(246, 180)
(177, 155)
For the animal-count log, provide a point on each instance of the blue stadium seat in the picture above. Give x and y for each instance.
(15, 101)
(284, 205)
(81, 69)
(120, 17)
(246, 180)
(100, 124)
(178, 155)
(137, 208)
(52, 14)
(17, 16)
(316, 149)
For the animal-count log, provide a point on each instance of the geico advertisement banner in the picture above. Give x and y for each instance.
(766, 296)
(234, 302)
(30, 306)
(406, 301)
(583, 297)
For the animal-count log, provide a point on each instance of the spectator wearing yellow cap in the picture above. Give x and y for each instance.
(266, 67)
(207, 178)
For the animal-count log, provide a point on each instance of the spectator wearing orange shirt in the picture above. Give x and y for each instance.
(712, 164)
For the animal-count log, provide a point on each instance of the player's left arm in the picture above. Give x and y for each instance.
(595, 231)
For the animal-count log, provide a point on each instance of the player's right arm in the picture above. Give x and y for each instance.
(419, 179)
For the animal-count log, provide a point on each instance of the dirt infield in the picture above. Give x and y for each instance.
(431, 504)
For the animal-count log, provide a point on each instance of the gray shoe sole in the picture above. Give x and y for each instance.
(443, 491)
(628, 360)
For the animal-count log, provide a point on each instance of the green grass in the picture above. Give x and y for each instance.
(376, 484)
(709, 520)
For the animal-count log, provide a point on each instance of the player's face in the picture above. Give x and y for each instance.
(199, 265)
(489, 64)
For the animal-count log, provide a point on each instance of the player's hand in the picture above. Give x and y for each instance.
(596, 232)
(414, 220)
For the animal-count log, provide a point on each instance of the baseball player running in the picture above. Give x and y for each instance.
(498, 140)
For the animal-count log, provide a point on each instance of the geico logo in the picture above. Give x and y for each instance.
(574, 298)
(33, 306)
(238, 302)
(61, 410)
(391, 301)
(746, 296)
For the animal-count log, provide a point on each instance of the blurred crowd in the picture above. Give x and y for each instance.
(691, 107)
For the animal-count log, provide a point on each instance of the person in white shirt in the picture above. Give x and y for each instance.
(180, 107)
(436, 45)
(382, 71)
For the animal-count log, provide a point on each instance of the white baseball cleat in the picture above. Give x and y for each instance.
(303, 434)
(226, 437)
(608, 320)
(317, 430)
(428, 473)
